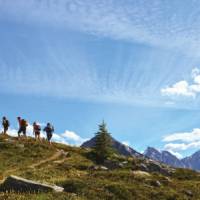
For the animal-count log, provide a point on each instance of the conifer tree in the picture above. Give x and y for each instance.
(103, 143)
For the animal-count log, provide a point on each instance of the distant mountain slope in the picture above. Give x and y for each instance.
(121, 148)
(193, 161)
(164, 157)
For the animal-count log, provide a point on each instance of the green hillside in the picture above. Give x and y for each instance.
(74, 169)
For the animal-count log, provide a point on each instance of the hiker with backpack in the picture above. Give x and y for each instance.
(22, 126)
(5, 124)
(36, 130)
(49, 129)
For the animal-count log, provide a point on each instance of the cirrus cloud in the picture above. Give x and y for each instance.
(156, 24)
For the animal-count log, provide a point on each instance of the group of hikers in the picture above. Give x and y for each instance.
(49, 129)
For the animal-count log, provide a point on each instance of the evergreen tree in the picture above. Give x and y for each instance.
(103, 143)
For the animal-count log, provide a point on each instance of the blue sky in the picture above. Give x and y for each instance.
(134, 64)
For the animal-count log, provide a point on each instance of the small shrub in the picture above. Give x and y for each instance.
(119, 191)
(74, 186)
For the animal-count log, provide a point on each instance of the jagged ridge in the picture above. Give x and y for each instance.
(192, 162)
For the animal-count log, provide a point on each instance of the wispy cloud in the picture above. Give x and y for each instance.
(155, 24)
(184, 88)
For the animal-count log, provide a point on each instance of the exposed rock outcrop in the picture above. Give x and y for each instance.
(18, 184)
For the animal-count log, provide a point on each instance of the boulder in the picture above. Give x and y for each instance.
(143, 167)
(96, 167)
(121, 165)
(188, 193)
(141, 173)
(9, 140)
(157, 167)
(65, 154)
(18, 184)
(155, 183)
(20, 145)
(103, 168)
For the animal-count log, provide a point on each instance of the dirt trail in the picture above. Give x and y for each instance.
(51, 158)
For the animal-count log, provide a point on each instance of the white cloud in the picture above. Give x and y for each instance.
(73, 137)
(182, 146)
(180, 88)
(184, 88)
(192, 136)
(178, 142)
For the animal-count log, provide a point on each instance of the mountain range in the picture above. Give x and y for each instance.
(191, 162)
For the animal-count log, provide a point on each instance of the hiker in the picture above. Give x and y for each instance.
(5, 124)
(49, 129)
(36, 130)
(22, 126)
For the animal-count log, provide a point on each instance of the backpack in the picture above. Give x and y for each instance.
(49, 129)
(6, 123)
(37, 128)
(24, 123)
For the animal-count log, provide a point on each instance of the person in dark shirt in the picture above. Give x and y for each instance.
(5, 124)
(49, 129)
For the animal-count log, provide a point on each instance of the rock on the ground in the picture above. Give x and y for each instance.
(143, 167)
(155, 183)
(96, 167)
(20, 145)
(18, 184)
(64, 153)
(9, 140)
(188, 193)
(141, 173)
(103, 168)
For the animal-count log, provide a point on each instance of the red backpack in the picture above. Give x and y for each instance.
(24, 123)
